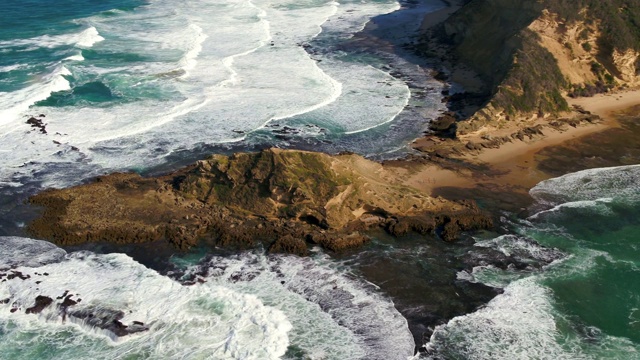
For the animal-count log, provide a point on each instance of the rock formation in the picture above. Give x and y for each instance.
(519, 60)
(284, 199)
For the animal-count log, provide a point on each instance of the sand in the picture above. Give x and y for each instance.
(513, 165)
(607, 104)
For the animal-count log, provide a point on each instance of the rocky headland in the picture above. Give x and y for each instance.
(521, 65)
(283, 199)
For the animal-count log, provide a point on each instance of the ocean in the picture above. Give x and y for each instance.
(584, 304)
(132, 85)
(145, 85)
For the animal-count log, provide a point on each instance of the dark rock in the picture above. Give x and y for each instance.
(289, 245)
(108, 319)
(454, 224)
(473, 146)
(37, 123)
(17, 274)
(443, 123)
(68, 301)
(41, 303)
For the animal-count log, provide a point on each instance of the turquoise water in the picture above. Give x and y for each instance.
(584, 306)
(128, 84)
(28, 34)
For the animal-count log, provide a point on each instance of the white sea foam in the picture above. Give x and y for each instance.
(14, 104)
(16, 251)
(524, 323)
(12, 67)
(600, 205)
(521, 248)
(77, 57)
(199, 321)
(247, 306)
(188, 61)
(83, 39)
(87, 38)
(333, 315)
(590, 185)
(519, 324)
(183, 80)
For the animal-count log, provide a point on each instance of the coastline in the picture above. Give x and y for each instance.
(438, 16)
(514, 167)
(498, 177)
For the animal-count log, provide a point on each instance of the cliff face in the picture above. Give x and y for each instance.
(530, 54)
(282, 198)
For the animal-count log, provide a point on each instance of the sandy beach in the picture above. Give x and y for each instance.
(513, 166)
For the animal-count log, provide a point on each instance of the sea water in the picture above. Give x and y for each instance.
(129, 84)
(583, 306)
(248, 306)
(126, 84)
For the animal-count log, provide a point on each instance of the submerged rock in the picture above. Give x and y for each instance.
(109, 320)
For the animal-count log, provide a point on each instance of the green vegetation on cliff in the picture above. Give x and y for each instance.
(620, 20)
(533, 83)
(492, 38)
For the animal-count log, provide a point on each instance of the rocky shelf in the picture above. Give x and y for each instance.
(284, 199)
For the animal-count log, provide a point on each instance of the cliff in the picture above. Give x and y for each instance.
(519, 60)
(284, 199)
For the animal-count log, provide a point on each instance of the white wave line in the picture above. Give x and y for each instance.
(188, 61)
(191, 105)
(20, 101)
(336, 92)
(393, 117)
(229, 60)
(336, 86)
(572, 205)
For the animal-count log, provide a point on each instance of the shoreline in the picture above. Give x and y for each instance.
(512, 167)
(501, 175)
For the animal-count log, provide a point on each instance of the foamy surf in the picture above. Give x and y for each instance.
(590, 185)
(188, 61)
(176, 80)
(248, 306)
(171, 321)
(14, 104)
(500, 331)
(333, 315)
(83, 39)
(582, 305)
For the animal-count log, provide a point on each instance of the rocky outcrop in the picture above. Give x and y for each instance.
(283, 199)
(519, 60)
(41, 303)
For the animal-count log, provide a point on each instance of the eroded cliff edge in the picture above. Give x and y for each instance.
(284, 199)
(519, 61)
